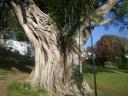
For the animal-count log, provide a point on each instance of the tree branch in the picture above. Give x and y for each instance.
(101, 22)
(104, 9)
(107, 21)
(18, 12)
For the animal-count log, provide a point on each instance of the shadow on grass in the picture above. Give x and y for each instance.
(124, 71)
(9, 60)
(89, 69)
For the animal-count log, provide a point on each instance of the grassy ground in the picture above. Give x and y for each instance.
(110, 82)
(18, 89)
(3, 74)
(13, 67)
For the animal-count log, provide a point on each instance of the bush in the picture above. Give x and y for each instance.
(121, 62)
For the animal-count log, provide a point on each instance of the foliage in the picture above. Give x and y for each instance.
(20, 89)
(108, 48)
(9, 24)
(67, 15)
(64, 12)
(14, 33)
(119, 62)
(67, 11)
(120, 11)
(78, 77)
(7, 18)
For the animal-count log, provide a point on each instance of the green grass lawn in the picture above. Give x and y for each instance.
(19, 89)
(110, 82)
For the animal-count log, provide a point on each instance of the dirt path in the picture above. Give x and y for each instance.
(10, 78)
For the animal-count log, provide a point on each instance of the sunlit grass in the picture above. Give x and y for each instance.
(19, 89)
(110, 82)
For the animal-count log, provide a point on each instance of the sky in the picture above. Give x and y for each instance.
(99, 31)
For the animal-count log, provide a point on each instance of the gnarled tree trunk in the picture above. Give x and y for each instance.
(52, 71)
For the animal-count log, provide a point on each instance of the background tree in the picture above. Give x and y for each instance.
(54, 31)
(110, 48)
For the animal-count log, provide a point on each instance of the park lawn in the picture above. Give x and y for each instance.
(110, 82)
(22, 89)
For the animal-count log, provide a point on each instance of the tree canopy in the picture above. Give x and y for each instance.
(68, 12)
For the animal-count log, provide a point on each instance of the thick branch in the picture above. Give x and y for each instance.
(107, 21)
(18, 12)
(104, 9)
(101, 22)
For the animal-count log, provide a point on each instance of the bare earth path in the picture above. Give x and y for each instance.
(10, 78)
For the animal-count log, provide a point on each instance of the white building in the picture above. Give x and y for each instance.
(23, 48)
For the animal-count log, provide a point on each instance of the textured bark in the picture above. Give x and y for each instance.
(53, 70)
(104, 9)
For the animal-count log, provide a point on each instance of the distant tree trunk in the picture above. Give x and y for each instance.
(51, 71)
(1, 40)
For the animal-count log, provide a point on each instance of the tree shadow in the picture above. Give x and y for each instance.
(19, 65)
(124, 70)
(89, 69)
(9, 60)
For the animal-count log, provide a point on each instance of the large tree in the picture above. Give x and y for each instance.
(54, 27)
